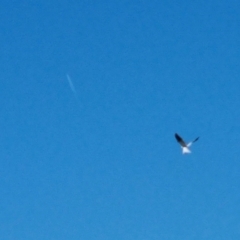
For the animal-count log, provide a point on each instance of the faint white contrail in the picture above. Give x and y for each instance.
(71, 84)
(72, 87)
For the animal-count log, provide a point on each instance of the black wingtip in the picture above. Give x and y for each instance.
(196, 139)
(178, 137)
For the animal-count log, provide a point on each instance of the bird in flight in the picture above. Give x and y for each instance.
(185, 146)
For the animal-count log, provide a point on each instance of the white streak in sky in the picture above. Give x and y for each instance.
(71, 84)
(72, 87)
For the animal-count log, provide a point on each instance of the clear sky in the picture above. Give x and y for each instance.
(92, 93)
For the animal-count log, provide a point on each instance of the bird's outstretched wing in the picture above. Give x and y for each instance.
(189, 144)
(195, 139)
(180, 140)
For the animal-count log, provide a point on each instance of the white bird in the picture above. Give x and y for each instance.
(185, 146)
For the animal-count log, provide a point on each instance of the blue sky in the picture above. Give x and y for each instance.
(102, 162)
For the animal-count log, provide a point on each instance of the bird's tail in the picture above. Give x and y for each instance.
(185, 150)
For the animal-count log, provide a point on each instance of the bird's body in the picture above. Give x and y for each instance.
(184, 146)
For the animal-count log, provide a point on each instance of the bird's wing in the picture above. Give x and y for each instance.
(195, 139)
(180, 140)
(189, 144)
